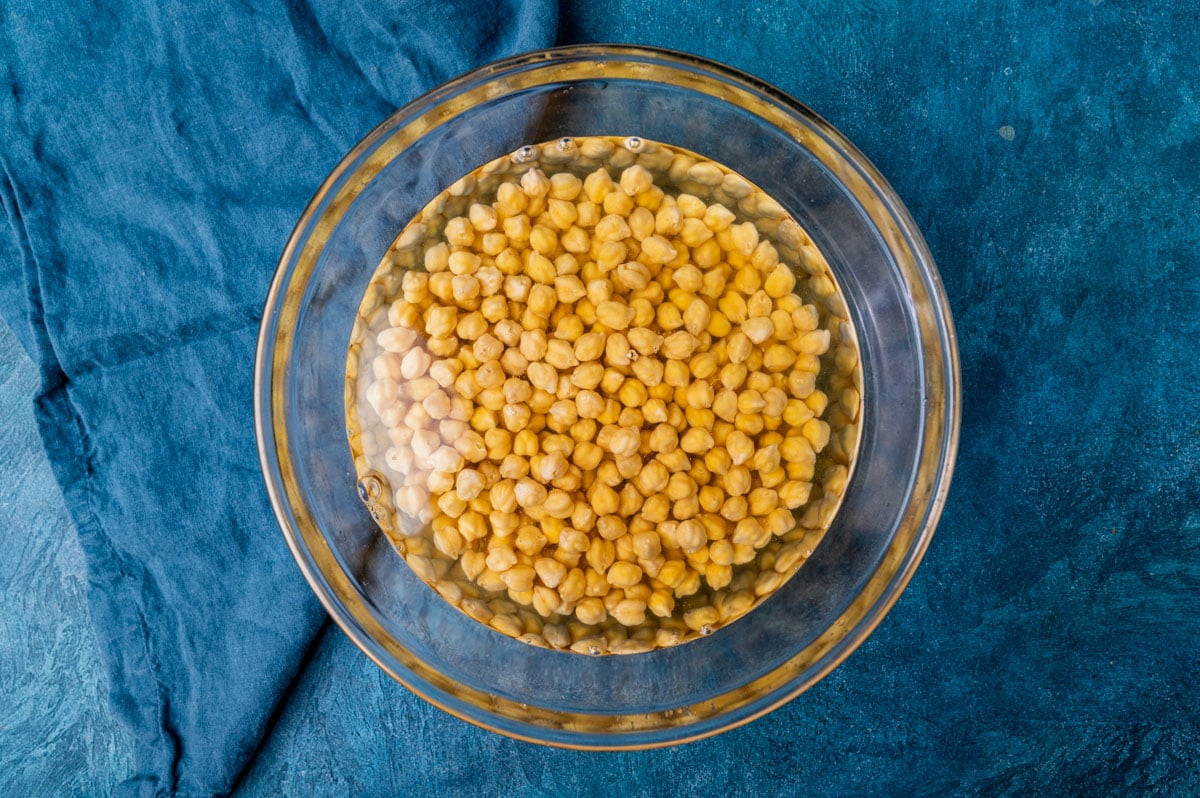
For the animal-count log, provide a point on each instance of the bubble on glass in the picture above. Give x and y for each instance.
(370, 488)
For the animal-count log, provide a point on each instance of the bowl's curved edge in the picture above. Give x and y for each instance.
(269, 446)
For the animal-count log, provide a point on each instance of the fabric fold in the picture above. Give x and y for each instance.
(156, 156)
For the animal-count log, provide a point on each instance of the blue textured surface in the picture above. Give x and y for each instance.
(56, 731)
(1050, 642)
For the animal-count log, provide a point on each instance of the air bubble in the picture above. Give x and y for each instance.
(525, 154)
(633, 143)
(706, 630)
(565, 144)
(369, 489)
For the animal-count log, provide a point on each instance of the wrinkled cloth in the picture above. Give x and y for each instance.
(153, 159)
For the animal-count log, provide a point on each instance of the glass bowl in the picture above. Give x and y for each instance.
(909, 425)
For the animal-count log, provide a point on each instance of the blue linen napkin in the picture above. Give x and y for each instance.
(153, 159)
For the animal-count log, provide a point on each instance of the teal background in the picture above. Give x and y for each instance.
(1050, 642)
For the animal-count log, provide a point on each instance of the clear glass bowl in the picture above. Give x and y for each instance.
(891, 506)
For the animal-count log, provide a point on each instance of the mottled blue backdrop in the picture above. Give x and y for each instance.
(1049, 643)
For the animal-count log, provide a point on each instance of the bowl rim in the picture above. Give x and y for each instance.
(942, 408)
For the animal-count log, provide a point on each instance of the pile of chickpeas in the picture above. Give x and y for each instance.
(592, 404)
